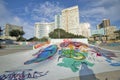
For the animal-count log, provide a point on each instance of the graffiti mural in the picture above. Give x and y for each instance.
(43, 54)
(40, 45)
(22, 74)
(73, 54)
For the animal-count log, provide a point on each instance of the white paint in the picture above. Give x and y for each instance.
(83, 40)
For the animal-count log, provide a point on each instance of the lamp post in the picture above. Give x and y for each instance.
(59, 33)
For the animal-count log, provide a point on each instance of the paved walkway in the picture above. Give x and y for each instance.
(111, 75)
(10, 49)
(110, 46)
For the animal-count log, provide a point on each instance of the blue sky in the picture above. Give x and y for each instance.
(26, 12)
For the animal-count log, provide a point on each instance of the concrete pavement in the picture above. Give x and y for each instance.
(10, 49)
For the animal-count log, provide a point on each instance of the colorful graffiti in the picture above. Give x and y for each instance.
(40, 45)
(109, 56)
(43, 54)
(73, 54)
(22, 74)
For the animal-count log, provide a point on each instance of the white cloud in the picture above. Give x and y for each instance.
(99, 9)
(7, 17)
(42, 12)
(45, 11)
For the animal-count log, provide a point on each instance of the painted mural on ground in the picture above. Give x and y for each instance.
(40, 45)
(74, 57)
(43, 54)
(74, 54)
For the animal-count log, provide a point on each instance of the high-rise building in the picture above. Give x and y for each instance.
(43, 29)
(10, 27)
(70, 20)
(85, 29)
(107, 29)
(58, 23)
(105, 23)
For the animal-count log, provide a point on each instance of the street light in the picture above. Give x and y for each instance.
(59, 33)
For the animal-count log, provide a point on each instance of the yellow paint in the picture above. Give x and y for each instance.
(71, 46)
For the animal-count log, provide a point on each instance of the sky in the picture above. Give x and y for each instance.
(26, 12)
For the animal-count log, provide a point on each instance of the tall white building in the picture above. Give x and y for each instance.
(85, 28)
(43, 29)
(70, 20)
(58, 21)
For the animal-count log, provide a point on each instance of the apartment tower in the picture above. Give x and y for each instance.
(70, 20)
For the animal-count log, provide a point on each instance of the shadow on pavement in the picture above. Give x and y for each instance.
(86, 73)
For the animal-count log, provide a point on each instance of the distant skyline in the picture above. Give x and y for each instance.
(26, 12)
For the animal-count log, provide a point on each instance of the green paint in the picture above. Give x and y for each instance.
(73, 59)
(73, 64)
(73, 54)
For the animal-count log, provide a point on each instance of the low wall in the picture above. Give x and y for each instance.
(26, 43)
(84, 40)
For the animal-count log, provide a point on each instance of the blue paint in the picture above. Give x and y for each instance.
(108, 60)
(115, 64)
(43, 55)
(112, 63)
(22, 75)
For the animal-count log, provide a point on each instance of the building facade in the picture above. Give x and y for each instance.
(98, 31)
(104, 23)
(85, 29)
(10, 27)
(58, 21)
(109, 31)
(43, 29)
(70, 20)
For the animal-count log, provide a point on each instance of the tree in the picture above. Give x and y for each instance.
(60, 33)
(21, 39)
(44, 39)
(16, 33)
(33, 39)
(118, 32)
